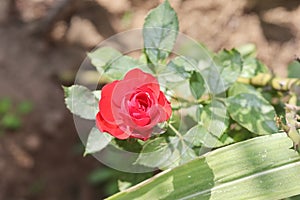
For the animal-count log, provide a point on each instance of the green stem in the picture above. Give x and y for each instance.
(186, 103)
(177, 133)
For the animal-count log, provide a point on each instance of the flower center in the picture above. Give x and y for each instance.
(138, 107)
(141, 101)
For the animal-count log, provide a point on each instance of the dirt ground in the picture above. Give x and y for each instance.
(41, 160)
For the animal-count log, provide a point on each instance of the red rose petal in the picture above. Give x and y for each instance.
(105, 104)
(140, 75)
(142, 121)
(133, 80)
(112, 129)
(163, 101)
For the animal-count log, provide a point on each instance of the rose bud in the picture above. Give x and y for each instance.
(132, 107)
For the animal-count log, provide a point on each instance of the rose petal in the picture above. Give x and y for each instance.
(166, 105)
(157, 114)
(112, 129)
(134, 79)
(105, 104)
(140, 75)
(143, 135)
(152, 89)
(142, 121)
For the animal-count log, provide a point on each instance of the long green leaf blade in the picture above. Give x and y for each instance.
(260, 168)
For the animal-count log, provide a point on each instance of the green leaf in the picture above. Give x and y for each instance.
(181, 65)
(180, 90)
(178, 69)
(230, 66)
(123, 185)
(101, 175)
(198, 136)
(118, 68)
(213, 78)
(102, 57)
(97, 141)
(25, 107)
(154, 153)
(11, 121)
(214, 118)
(247, 50)
(172, 161)
(182, 152)
(222, 72)
(197, 85)
(127, 180)
(252, 112)
(97, 94)
(5, 105)
(195, 51)
(238, 88)
(186, 153)
(129, 145)
(252, 67)
(112, 64)
(261, 168)
(294, 70)
(160, 31)
(81, 101)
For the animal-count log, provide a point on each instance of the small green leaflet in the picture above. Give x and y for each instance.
(197, 85)
(81, 101)
(252, 67)
(230, 66)
(252, 112)
(294, 70)
(214, 118)
(222, 72)
(103, 56)
(198, 136)
(160, 32)
(112, 64)
(178, 69)
(97, 94)
(238, 88)
(96, 141)
(247, 50)
(155, 152)
(119, 67)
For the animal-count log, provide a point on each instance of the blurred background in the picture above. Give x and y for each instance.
(42, 44)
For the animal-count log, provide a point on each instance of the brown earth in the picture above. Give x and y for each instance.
(40, 160)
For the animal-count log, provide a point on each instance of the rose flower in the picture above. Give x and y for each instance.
(133, 106)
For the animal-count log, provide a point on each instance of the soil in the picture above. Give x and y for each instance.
(43, 160)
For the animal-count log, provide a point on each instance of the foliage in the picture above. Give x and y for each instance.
(218, 99)
(114, 180)
(11, 114)
(260, 168)
(294, 69)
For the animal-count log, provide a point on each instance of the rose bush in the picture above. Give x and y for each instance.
(133, 106)
(208, 115)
